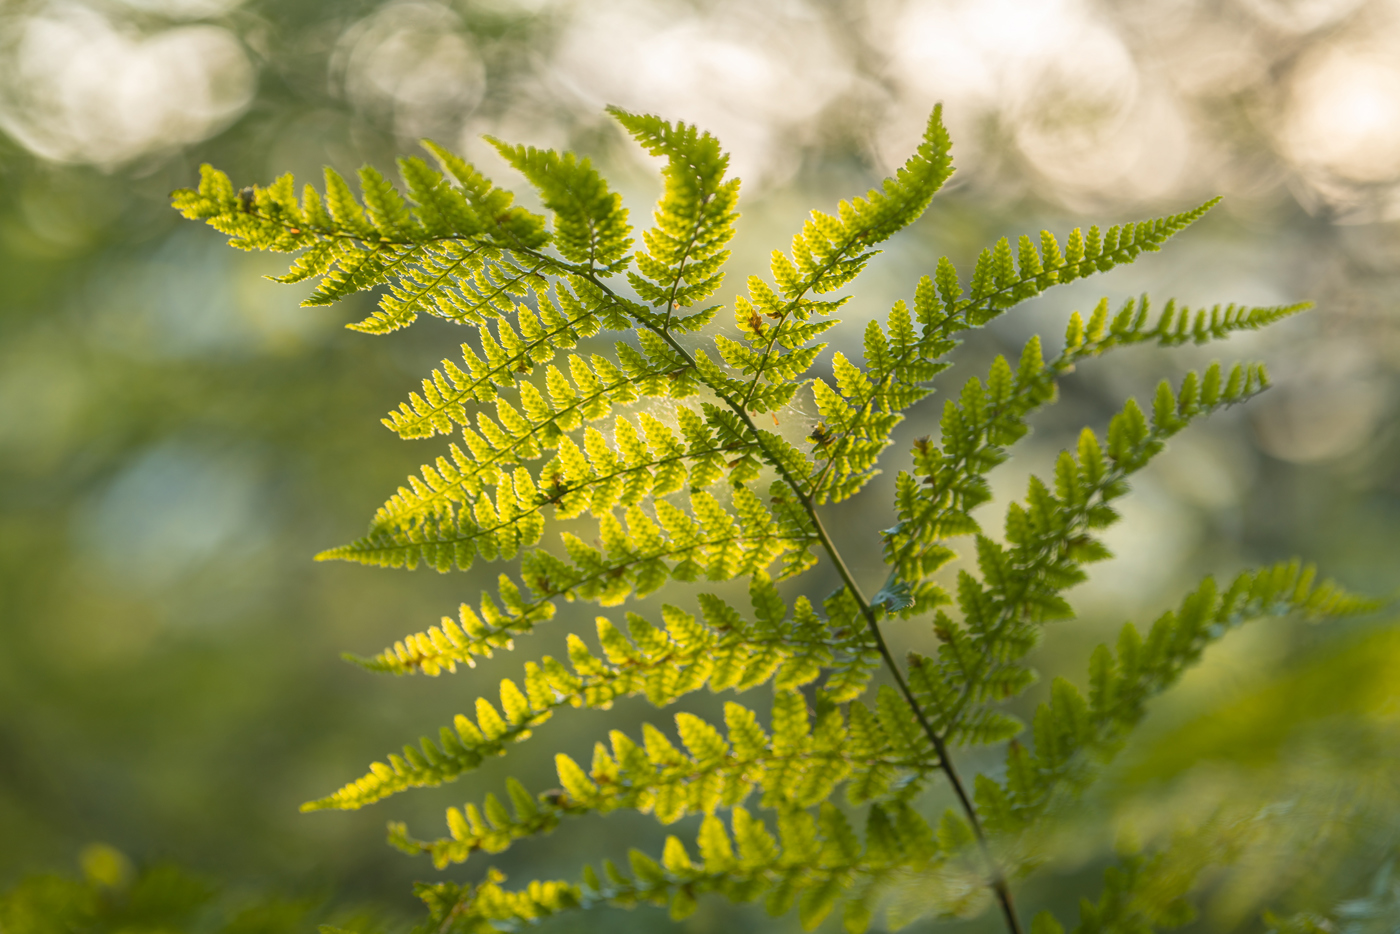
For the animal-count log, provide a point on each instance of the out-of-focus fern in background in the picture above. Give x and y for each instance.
(177, 438)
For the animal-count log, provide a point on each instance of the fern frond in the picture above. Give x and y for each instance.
(462, 748)
(861, 412)
(448, 518)
(431, 517)
(471, 635)
(813, 863)
(1049, 538)
(509, 354)
(724, 650)
(494, 207)
(590, 223)
(799, 766)
(1000, 281)
(832, 250)
(672, 494)
(423, 271)
(1074, 735)
(694, 218)
(254, 219)
(638, 558)
(827, 254)
(708, 541)
(1176, 325)
(934, 502)
(442, 256)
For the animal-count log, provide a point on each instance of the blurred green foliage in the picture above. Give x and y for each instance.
(111, 896)
(183, 708)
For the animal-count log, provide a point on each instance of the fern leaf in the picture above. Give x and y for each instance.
(449, 518)
(659, 778)
(934, 501)
(861, 412)
(590, 224)
(829, 253)
(508, 355)
(1048, 540)
(459, 749)
(997, 284)
(437, 258)
(640, 554)
(741, 868)
(685, 251)
(1075, 735)
(724, 651)
(509, 225)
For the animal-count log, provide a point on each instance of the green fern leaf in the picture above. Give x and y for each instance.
(694, 218)
(590, 224)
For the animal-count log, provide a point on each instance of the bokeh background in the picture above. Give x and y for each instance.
(177, 437)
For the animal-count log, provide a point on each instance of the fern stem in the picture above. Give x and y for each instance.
(998, 881)
(998, 878)
(792, 306)
(680, 267)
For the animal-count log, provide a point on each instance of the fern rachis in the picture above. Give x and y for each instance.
(531, 288)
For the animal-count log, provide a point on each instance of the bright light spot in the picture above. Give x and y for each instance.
(184, 9)
(1213, 60)
(1091, 150)
(1057, 78)
(1330, 405)
(517, 7)
(81, 89)
(1301, 15)
(410, 65)
(963, 53)
(1345, 115)
(753, 78)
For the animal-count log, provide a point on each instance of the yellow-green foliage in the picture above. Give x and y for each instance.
(693, 487)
